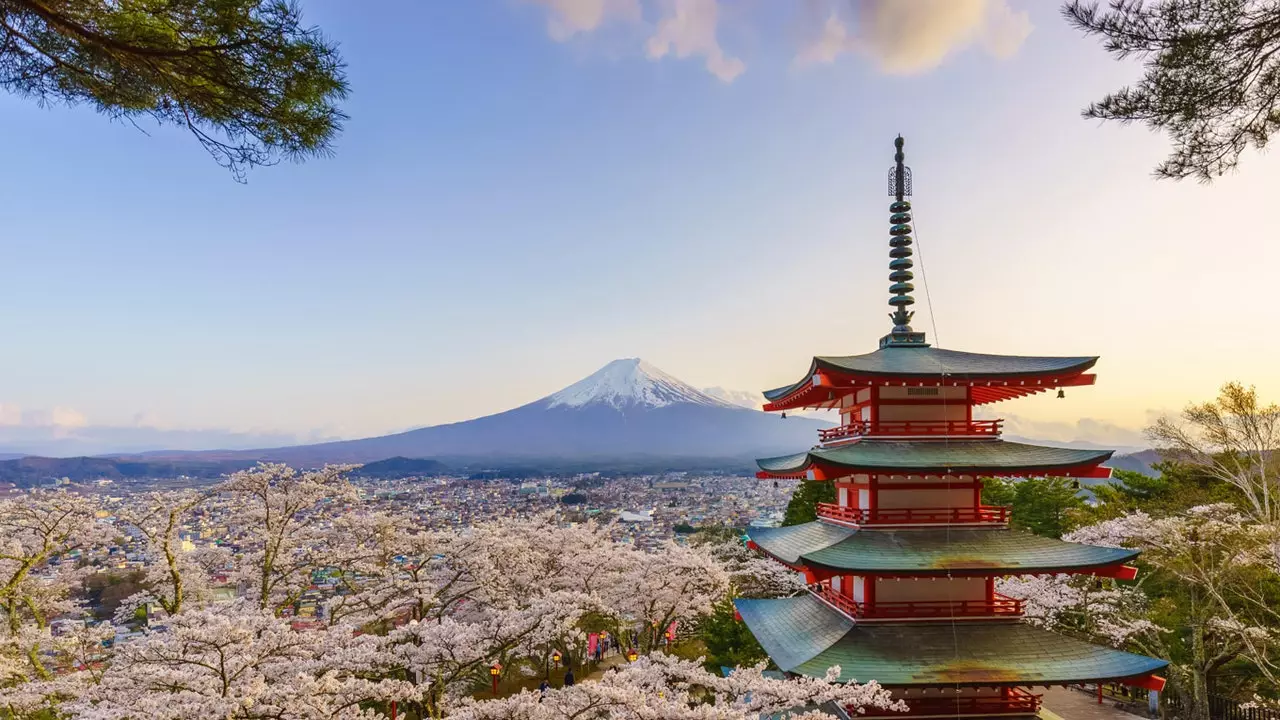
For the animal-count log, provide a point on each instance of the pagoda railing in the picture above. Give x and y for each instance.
(912, 428)
(1011, 701)
(998, 606)
(982, 514)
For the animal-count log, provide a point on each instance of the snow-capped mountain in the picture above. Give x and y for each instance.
(627, 409)
(628, 382)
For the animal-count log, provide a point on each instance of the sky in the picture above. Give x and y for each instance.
(527, 190)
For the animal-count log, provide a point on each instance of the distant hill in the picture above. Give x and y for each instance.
(1137, 462)
(400, 467)
(32, 471)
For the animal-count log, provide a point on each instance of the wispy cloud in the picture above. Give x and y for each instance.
(915, 36)
(1084, 430)
(566, 18)
(687, 29)
(899, 36)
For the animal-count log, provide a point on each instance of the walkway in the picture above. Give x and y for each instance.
(1068, 704)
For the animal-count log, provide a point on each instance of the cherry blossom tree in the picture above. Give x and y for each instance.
(1200, 603)
(660, 686)
(37, 532)
(283, 516)
(413, 616)
(174, 576)
(753, 574)
(672, 583)
(1233, 439)
(238, 661)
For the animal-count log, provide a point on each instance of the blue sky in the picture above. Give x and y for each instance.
(514, 204)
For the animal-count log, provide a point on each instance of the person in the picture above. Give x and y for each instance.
(543, 687)
(568, 678)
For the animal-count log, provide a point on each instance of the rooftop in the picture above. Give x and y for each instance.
(806, 637)
(949, 551)
(994, 377)
(989, 457)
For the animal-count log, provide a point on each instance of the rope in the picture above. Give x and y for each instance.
(946, 436)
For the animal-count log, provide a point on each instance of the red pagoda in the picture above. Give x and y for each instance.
(902, 568)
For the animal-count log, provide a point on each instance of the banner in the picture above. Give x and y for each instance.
(592, 641)
(671, 632)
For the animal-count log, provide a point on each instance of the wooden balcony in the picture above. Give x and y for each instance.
(1010, 702)
(913, 429)
(1000, 606)
(981, 515)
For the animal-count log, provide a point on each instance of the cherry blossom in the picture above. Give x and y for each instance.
(660, 687)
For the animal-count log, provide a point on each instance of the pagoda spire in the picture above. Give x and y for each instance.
(900, 253)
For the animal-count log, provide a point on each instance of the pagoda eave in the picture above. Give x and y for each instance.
(816, 572)
(827, 471)
(804, 636)
(830, 378)
(826, 549)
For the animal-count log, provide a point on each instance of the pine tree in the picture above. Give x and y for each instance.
(803, 507)
(1211, 81)
(245, 77)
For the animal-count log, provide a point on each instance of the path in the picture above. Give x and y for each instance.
(1067, 704)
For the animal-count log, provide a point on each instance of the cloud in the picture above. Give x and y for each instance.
(67, 418)
(899, 36)
(64, 418)
(689, 28)
(566, 18)
(684, 28)
(910, 37)
(1089, 431)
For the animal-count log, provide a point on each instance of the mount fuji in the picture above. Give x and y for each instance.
(628, 409)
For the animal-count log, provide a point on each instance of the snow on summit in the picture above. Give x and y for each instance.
(630, 382)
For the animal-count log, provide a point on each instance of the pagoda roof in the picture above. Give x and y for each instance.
(933, 366)
(931, 552)
(805, 636)
(959, 457)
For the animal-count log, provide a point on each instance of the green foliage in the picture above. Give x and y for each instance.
(1044, 506)
(729, 643)
(803, 507)
(1211, 81)
(245, 77)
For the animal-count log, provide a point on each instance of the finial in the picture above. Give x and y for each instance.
(900, 252)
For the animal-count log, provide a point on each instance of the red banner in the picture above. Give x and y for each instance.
(592, 641)
(671, 632)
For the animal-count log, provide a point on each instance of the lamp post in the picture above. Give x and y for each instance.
(494, 671)
(556, 657)
(631, 655)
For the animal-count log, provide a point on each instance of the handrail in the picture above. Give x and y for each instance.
(1015, 702)
(985, 514)
(1000, 605)
(913, 428)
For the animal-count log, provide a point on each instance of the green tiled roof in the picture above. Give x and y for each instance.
(954, 551)
(789, 543)
(933, 362)
(804, 636)
(957, 456)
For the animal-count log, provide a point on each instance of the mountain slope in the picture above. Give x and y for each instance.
(626, 409)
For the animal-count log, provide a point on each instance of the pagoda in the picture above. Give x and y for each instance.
(902, 568)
